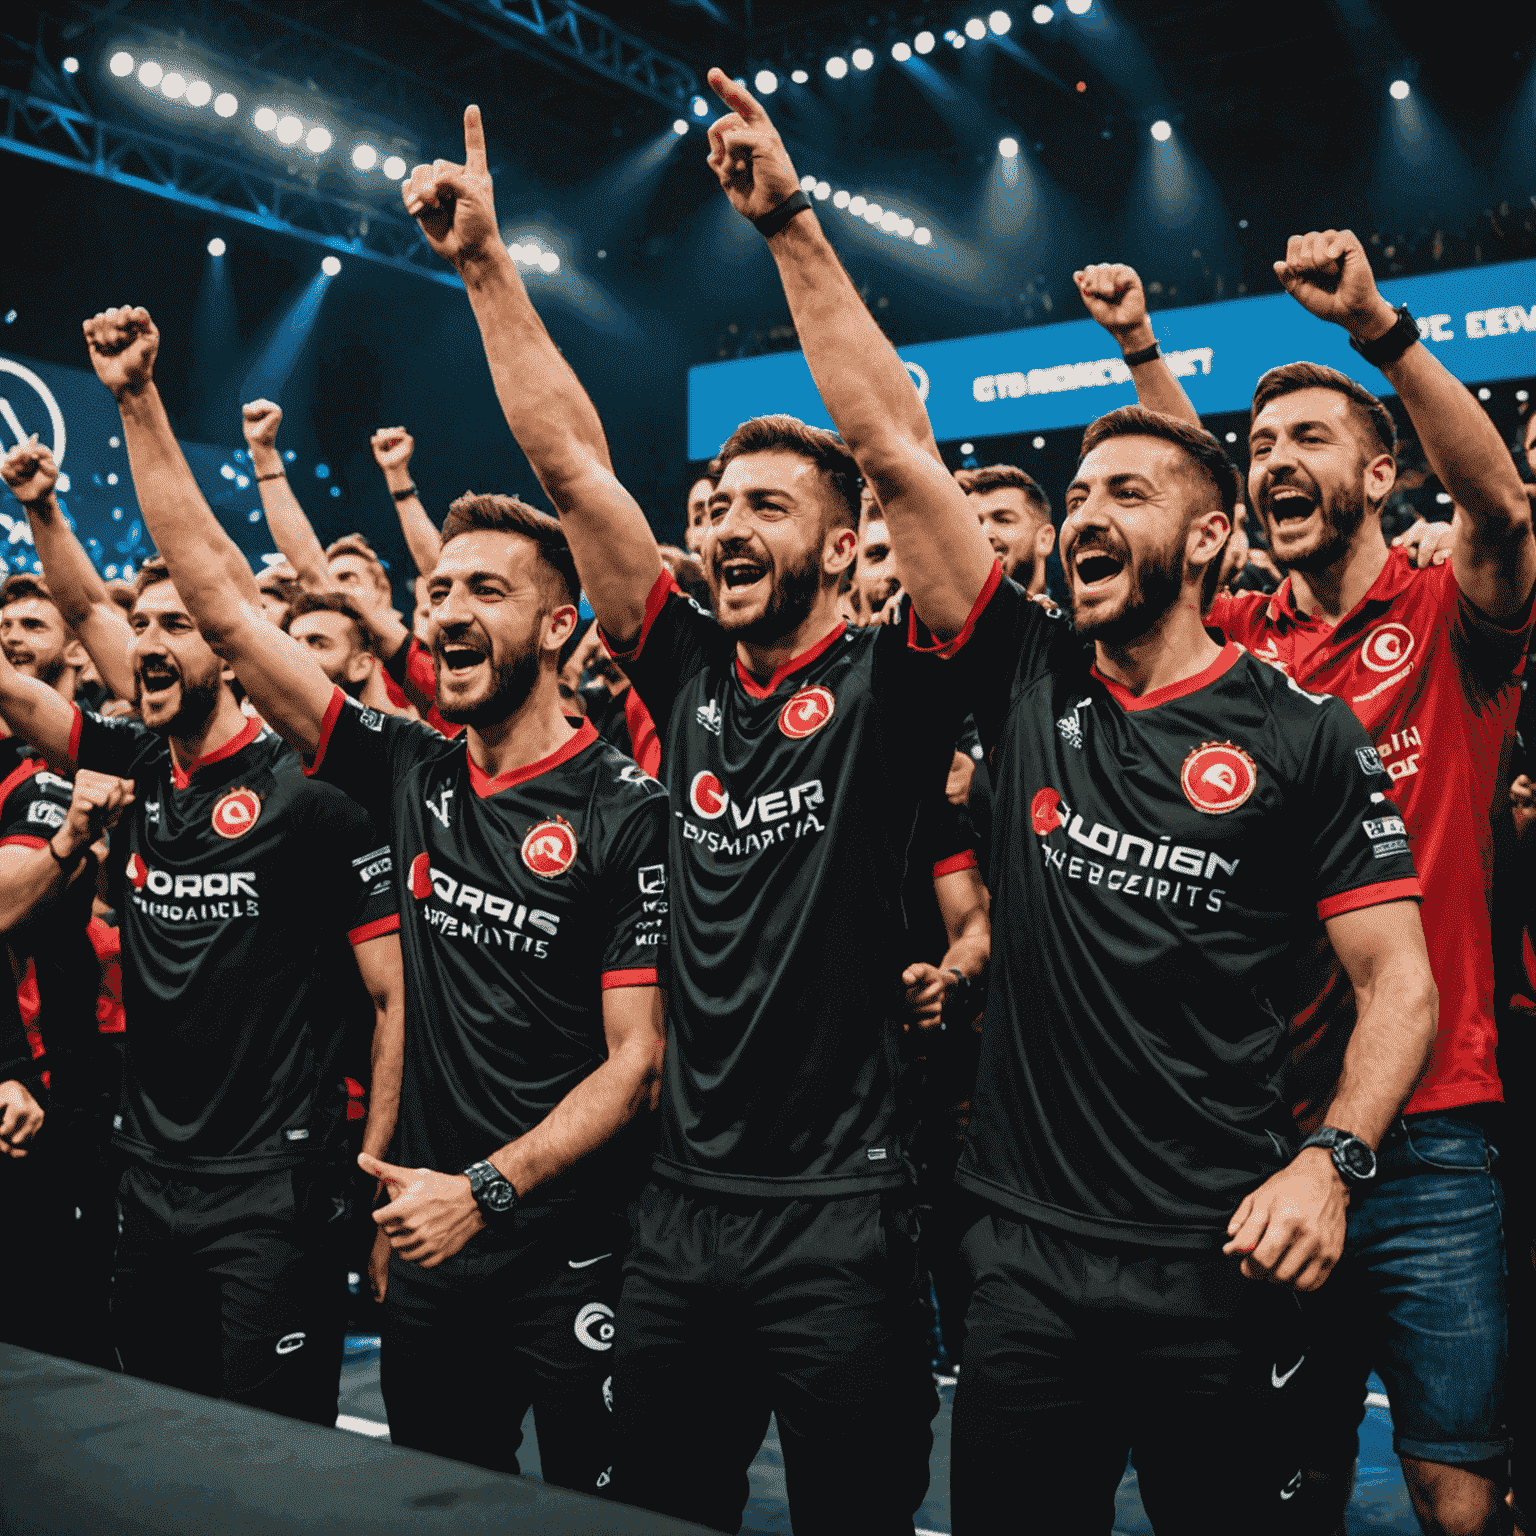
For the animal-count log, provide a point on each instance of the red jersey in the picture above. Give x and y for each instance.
(1436, 685)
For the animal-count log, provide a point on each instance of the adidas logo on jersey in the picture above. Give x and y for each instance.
(710, 716)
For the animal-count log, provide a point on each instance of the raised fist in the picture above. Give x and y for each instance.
(1113, 295)
(123, 343)
(392, 447)
(259, 421)
(1330, 274)
(96, 803)
(28, 469)
(455, 204)
(746, 152)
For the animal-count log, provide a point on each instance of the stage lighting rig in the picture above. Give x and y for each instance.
(887, 220)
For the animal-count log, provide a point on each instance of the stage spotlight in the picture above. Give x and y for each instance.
(149, 74)
(837, 66)
(394, 167)
(121, 64)
(958, 40)
(856, 206)
(1399, 90)
(1008, 148)
(173, 85)
(766, 82)
(1485, 393)
(889, 220)
(700, 107)
(318, 140)
(1079, 7)
(225, 104)
(840, 199)
(923, 42)
(807, 182)
(289, 129)
(1042, 14)
(863, 59)
(1039, 442)
(265, 119)
(799, 76)
(821, 191)
(1162, 131)
(71, 66)
(330, 266)
(975, 29)
(549, 262)
(901, 52)
(216, 246)
(1000, 22)
(199, 93)
(365, 156)
(922, 237)
(680, 126)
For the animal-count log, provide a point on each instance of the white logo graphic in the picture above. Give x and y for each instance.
(290, 1342)
(1293, 1487)
(605, 1476)
(633, 773)
(594, 1325)
(47, 812)
(1368, 759)
(1071, 726)
(370, 719)
(1277, 1380)
(919, 377)
(55, 415)
(1388, 826)
(583, 1263)
(445, 794)
(1387, 647)
(710, 716)
(608, 1393)
(653, 878)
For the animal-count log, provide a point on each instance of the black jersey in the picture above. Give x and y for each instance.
(793, 807)
(240, 885)
(523, 897)
(34, 802)
(1159, 863)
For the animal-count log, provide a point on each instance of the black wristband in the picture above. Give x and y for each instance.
(775, 220)
(1145, 355)
(406, 494)
(1387, 348)
(277, 474)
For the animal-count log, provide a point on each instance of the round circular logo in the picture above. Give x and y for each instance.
(807, 712)
(236, 813)
(919, 377)
(136, 872)
(31, 417)
(1045, 811)
(707, 796)
(1217, 777)
(594, 1325)
(421, 876)
(1387, 647)
(550, 848)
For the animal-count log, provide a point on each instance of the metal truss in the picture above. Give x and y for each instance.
(198, 178)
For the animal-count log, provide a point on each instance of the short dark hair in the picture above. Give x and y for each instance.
(23, 585)
(1000, 477)
(151, 574)
(788, 434)
(357, 544)
(1368, 410)
(1209, 457)
(474, 512)
(330, 602)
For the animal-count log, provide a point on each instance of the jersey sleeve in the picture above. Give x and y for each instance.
(369, 906)
(117, 745)
(676, 640)
(1490, 653)
(634, 883)
(943, 842)
(363, 753)
(1355, 839)
(28, 816)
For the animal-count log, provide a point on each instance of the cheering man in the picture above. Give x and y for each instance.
(1172, 819)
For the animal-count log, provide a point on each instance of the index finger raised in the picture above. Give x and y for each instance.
(474, 139)
(737, 97)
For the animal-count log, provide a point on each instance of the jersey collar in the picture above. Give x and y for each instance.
(485, 786)
(181, 777)
(1225, 660)
(1394, 576)
(794, 664)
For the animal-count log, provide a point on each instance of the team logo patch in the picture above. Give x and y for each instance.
(1387, 647)
(1045, 811)
(421, 876)
(136, 872)
(807, 712)
(594, 1326)
(236, 812)
(1217, 777)
(550, 848)
(707, 794)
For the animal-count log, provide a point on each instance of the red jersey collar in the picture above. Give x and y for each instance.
(484, 785)
(794, 664)
(1394, 576)
(1225, 660)
(181, 777)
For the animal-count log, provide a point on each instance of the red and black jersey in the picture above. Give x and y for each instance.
(1158, 864)
(793, 807)
(239, 884)
(1436, 686)
(522, 898)
(413, 663)
(34, 802)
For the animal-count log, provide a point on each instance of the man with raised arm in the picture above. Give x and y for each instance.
(774, 1266)
(240, 885)
(1172, 820)
(531, 870)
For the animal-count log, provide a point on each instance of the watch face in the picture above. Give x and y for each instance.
(1358, 1158)
(501, 1196)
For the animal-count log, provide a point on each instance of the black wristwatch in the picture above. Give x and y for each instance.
(1354, 1160)
(493, 1194)
(1390, 345)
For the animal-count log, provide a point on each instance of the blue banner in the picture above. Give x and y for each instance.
(1480, 322)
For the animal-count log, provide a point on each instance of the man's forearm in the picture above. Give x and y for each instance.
(72, 579)
(1156, 387)
(423, 538)
(387, 1069)
(29, 878)
(291, 529)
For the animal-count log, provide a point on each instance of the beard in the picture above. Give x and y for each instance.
(1155, 584)
(199, 699)
(1342, 514)
(512, 680)
(789, 602)
(1019, 564)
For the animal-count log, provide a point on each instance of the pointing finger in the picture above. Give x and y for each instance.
(474, 140)
(737, 97)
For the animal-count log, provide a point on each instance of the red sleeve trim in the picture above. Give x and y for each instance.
(948, 648)
(74, 736)
(19, 775)
(23, 840)
(966, 859)
(327, 725)
(1369, 896)
(374, 930)
(644, 744)
(642, 978)
(664, 587)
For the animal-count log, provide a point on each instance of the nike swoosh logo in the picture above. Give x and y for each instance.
(582, 1264)
(1276, 1379)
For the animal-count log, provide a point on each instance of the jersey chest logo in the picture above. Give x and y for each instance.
(707, 796)
(136, 872)
(1045, 811)
(235, 813)
(1387, 647)
(1218, 777)
(550, 848)
(807, 712)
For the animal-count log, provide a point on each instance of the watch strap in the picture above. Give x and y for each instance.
(776, 218)
(1142, 355)
(1386, 349)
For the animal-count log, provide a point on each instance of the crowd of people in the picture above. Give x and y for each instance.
(834, 958)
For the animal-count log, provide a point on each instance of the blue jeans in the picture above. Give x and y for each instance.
(1419, 1298)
